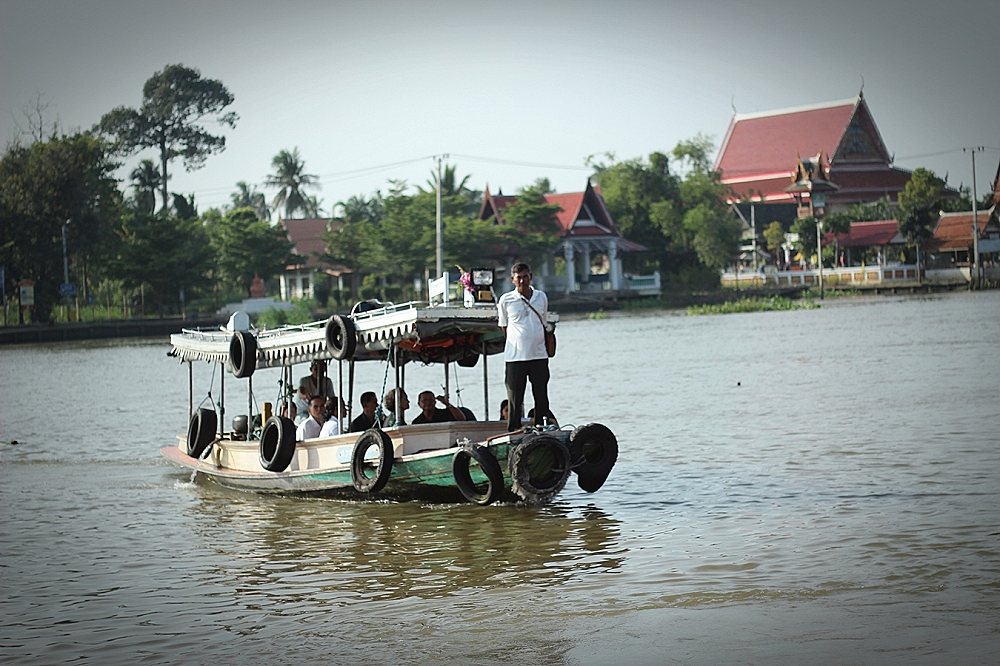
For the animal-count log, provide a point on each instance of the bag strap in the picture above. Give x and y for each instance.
(544, 325)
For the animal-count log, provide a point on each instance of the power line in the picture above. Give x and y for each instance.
(540, 165)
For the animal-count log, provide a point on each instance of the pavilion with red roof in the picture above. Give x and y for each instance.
(587, 232)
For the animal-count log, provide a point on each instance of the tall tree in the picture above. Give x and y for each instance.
(175, 102)
(292, 181)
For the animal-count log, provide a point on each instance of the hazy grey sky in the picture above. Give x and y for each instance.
(511, 90)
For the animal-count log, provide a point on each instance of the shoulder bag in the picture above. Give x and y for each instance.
(550, 336)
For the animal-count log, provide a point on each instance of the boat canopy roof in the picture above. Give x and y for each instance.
(418, 331)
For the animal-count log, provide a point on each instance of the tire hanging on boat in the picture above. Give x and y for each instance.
(201, 431)
(491, 468)
(243, 354)
(360, 467)
(277, 444)
(595, 452)
(341, 337)
(539, 467)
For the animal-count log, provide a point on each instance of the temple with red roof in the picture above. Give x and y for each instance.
(760, 151)
(587, 231)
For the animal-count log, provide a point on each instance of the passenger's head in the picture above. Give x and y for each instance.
(317, 408)
(317, 367)
(503, 408)
(390, 400)
(426, 400)
(369, 400)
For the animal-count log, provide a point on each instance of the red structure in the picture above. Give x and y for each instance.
(760, 152)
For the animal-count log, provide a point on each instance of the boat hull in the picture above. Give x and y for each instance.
(422, 459)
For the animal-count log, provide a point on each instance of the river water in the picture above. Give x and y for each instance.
(792, 486)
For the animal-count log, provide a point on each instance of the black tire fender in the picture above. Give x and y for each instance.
(360, 467)
(539, 466)
(277, 444)
(201, 431)
(341, 337)
(491, 468)
(595, 452)
(243, 354)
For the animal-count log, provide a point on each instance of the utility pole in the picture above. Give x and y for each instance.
(974, 264)
(439, 236)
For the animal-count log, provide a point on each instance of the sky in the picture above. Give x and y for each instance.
(510, 91)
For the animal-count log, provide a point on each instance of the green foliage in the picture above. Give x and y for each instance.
(774, 237)
(174, 103)
(753, 305)
(683, 221)
(165, 253)
(530, 230)
(805, 227)
(42, 186)
(244, 245)
(919, 204)
(247, 196)
(640, 195)
(145, 182)
(302, 312)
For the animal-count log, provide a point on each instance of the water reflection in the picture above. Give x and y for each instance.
(357, 550)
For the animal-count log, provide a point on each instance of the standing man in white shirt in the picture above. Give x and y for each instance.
(520, 315)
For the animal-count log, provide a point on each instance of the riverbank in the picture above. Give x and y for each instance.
(122, 328)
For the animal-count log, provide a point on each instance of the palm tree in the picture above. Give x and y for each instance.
(145, 182)
(247, 196)
(291, 180)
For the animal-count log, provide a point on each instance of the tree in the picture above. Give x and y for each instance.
(683, 221)
(175, 101)
(805, 227)
(69, 177)
(292, 182)
(145, 182)
(168, 254)
(774, 237)
(631, 189)
(244, 245)
(920, 203)
(247, 196)
(530, 230)
(358, 209)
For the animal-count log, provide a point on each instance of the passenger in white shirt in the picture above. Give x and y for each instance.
(310, 428)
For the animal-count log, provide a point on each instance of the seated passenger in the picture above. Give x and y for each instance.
(316, 382)
(550, 415)
(389, 402)
(366, 419)
(430, 414)
(310, 428)
(333, 410)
